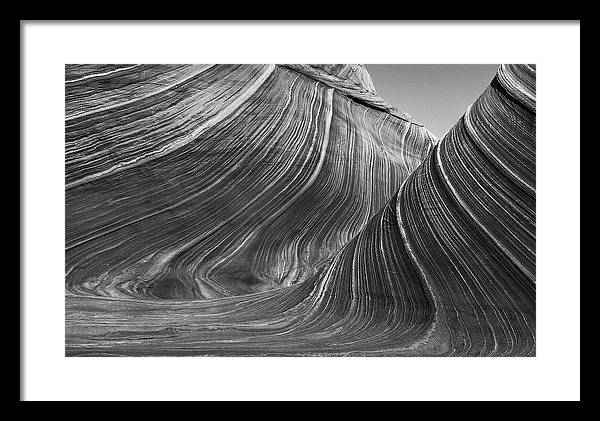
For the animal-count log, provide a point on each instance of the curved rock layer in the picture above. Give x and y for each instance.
(289, 205)
(191, 182)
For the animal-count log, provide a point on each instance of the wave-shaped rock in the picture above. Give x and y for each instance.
(278, 210)
(210, 181)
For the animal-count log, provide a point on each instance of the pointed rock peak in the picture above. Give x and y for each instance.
(355, 73)
(352, 80)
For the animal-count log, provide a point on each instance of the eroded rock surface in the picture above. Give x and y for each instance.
(288, 210)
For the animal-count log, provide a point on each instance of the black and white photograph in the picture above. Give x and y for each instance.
(275, 210)
(230, 217)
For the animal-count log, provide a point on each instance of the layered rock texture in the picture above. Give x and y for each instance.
(289, 210)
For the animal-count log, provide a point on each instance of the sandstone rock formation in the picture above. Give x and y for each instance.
(288, 210)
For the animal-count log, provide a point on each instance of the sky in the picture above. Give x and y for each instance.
(436, 95)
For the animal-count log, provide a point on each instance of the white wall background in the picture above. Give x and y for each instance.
(553, 374)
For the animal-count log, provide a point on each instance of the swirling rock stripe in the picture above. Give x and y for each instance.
(468, 214)
(358, 306)
(446, 268)
(221, 180)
